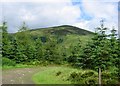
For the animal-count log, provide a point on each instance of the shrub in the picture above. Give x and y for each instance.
(7, 62)
(75, 76)
(58, 73)
(91, 77)
(34, 62)
(83, 77)
(109, 77)
(91, 80)
(87, 74)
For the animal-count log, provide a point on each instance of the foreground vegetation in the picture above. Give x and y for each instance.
(69, 75)
(65, 45)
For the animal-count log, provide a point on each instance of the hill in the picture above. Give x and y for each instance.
(65, 35)
(62, 30)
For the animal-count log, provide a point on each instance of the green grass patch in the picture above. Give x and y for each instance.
(53, 75)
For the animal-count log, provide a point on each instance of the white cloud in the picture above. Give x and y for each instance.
(34, 0)
(55, 0)
(1, 13)
(82, 24)
(41, 14)
(101, 10)
(98, 0)
(45, 13)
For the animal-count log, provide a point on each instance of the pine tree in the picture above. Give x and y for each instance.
(38, 55)
(5, 41)
(118, 60)
(75, 53)
(16, 53)
(63, 54)
(96, 53)
(113, 45)
(85, 60)
(27, 47)
(50, 53)
(23, 27)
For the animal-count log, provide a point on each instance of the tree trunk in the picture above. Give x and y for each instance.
(99, 76)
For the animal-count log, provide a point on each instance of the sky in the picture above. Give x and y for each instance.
(85, 14)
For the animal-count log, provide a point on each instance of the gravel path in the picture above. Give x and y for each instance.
(19, 75)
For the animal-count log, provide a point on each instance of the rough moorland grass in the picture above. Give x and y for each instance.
(69, 75)
(53, 75)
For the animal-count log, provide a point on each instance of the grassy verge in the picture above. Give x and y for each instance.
(16, 66)
(10, 64)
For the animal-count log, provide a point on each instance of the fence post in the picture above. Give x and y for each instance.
(99, 77)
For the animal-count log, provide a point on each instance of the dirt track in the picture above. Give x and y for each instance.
(19, 75)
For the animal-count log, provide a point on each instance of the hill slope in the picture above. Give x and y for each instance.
(65, 35)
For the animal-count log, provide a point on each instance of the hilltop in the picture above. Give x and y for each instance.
(61, 30)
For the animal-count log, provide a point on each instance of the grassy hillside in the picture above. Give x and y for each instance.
(66, 35)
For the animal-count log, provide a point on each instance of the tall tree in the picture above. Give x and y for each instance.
(118, 60)
(75, 53)
(96, 54)
(15, 51)
(38, 55)
(24, 27)
(27, 47)
(50, 53)
(5, 40)
(113, 45)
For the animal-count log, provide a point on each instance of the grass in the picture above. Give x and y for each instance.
(53, 75)
(69, 75)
